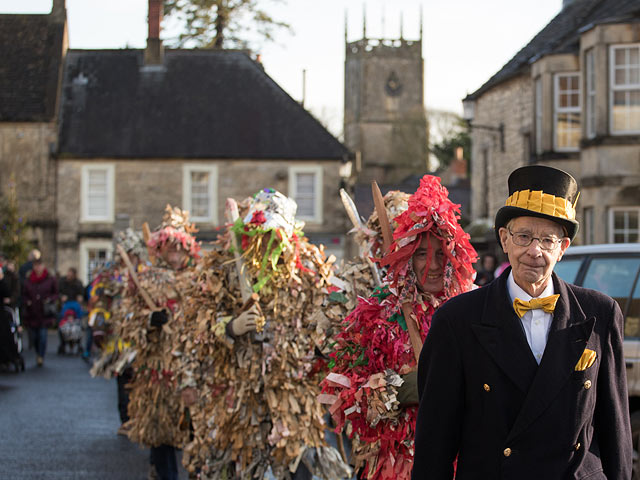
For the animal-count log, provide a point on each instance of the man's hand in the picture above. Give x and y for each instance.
(158, 318)
(245, 322)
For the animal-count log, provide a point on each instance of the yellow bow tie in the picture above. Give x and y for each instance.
(548, 304)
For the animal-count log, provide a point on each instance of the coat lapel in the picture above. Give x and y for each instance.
(502, 336)
(568, 336)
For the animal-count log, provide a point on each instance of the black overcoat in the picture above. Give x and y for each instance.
(484, 398)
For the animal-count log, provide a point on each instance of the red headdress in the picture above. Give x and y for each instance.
(430, 212)
(176, 229)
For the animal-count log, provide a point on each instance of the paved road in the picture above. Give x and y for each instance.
(58, 423)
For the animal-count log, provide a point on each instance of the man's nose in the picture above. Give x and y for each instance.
(534, 247)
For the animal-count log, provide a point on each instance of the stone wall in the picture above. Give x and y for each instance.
(144, 187)
(610, 177)
(511, 104)
(607, 166)
(25, 155)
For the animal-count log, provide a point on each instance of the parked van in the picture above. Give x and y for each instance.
(614, 269)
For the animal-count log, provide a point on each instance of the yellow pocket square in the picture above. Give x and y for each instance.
(586, 360)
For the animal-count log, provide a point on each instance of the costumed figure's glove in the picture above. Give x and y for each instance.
(189, 396)
(246, 322)
(408, 391)
(158, 318)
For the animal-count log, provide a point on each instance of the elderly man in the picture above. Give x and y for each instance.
(525, 378)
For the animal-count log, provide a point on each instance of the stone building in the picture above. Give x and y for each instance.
(384, 114)
(32, 52)
(570, 99)
(138, 129)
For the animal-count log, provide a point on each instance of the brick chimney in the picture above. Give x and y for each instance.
(154, 53)
(459, 165)
(59, 10)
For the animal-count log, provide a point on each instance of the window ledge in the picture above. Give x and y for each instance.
(602, 181)
(553, 155)
(610, 140)
(100, 231)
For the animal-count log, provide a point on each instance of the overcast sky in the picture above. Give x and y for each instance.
(465, 41)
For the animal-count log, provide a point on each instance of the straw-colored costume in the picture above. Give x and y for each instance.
(157, 415)
(254, 395)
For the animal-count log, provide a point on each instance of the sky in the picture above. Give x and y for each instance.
(464, 41)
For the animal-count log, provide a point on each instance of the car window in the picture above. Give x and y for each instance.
(632, 322)
(568, 267)
(613, 276)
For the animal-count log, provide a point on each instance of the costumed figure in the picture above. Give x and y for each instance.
(117, 355)
(361, 275)
(106, 314)
(357, 278)
(153, 301)
(250, 365)
(370, 388)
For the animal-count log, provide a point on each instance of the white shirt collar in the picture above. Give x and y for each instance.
(516, 292)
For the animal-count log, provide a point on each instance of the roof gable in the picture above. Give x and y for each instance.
(31, 49)
(199, 104)
(562, 35)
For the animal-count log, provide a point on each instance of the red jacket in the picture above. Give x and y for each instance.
(36, 290)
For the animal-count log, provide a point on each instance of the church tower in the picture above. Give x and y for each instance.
(384, 117)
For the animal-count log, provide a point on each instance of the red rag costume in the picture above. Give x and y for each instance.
(373, 350)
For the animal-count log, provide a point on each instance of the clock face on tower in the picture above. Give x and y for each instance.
(393, 87)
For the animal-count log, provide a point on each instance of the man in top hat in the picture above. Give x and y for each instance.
(525, 378)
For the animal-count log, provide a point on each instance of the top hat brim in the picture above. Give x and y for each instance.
(508, 212)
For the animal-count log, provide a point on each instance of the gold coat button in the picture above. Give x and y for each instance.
(487, 388)
(587, 385)
(507, 452)
(577, 446)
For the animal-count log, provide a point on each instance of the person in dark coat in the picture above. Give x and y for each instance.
(525, 378)
(12, 282)
(40, 289)
(488, 264)
(71, 287)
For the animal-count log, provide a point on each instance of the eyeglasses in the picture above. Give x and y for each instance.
(525, 239)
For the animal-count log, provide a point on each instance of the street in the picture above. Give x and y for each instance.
(59, 423)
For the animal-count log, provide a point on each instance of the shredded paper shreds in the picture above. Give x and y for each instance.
(252, 399)
(373, 351)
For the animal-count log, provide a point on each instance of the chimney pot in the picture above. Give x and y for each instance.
(154, 53)
(155, 18)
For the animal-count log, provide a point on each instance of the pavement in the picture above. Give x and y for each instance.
(59, 423)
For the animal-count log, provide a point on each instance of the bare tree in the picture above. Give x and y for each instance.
(448, 132)
(222, 23)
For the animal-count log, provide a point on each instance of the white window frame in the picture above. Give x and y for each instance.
(317, 171)
(212, 170)
(558, 110)
(92, 244)
(612, 212)
(538, 113)
(613, 88)
(84, 193)
(590, 93)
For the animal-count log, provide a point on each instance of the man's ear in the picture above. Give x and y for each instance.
(563, 246)
(503, 232)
